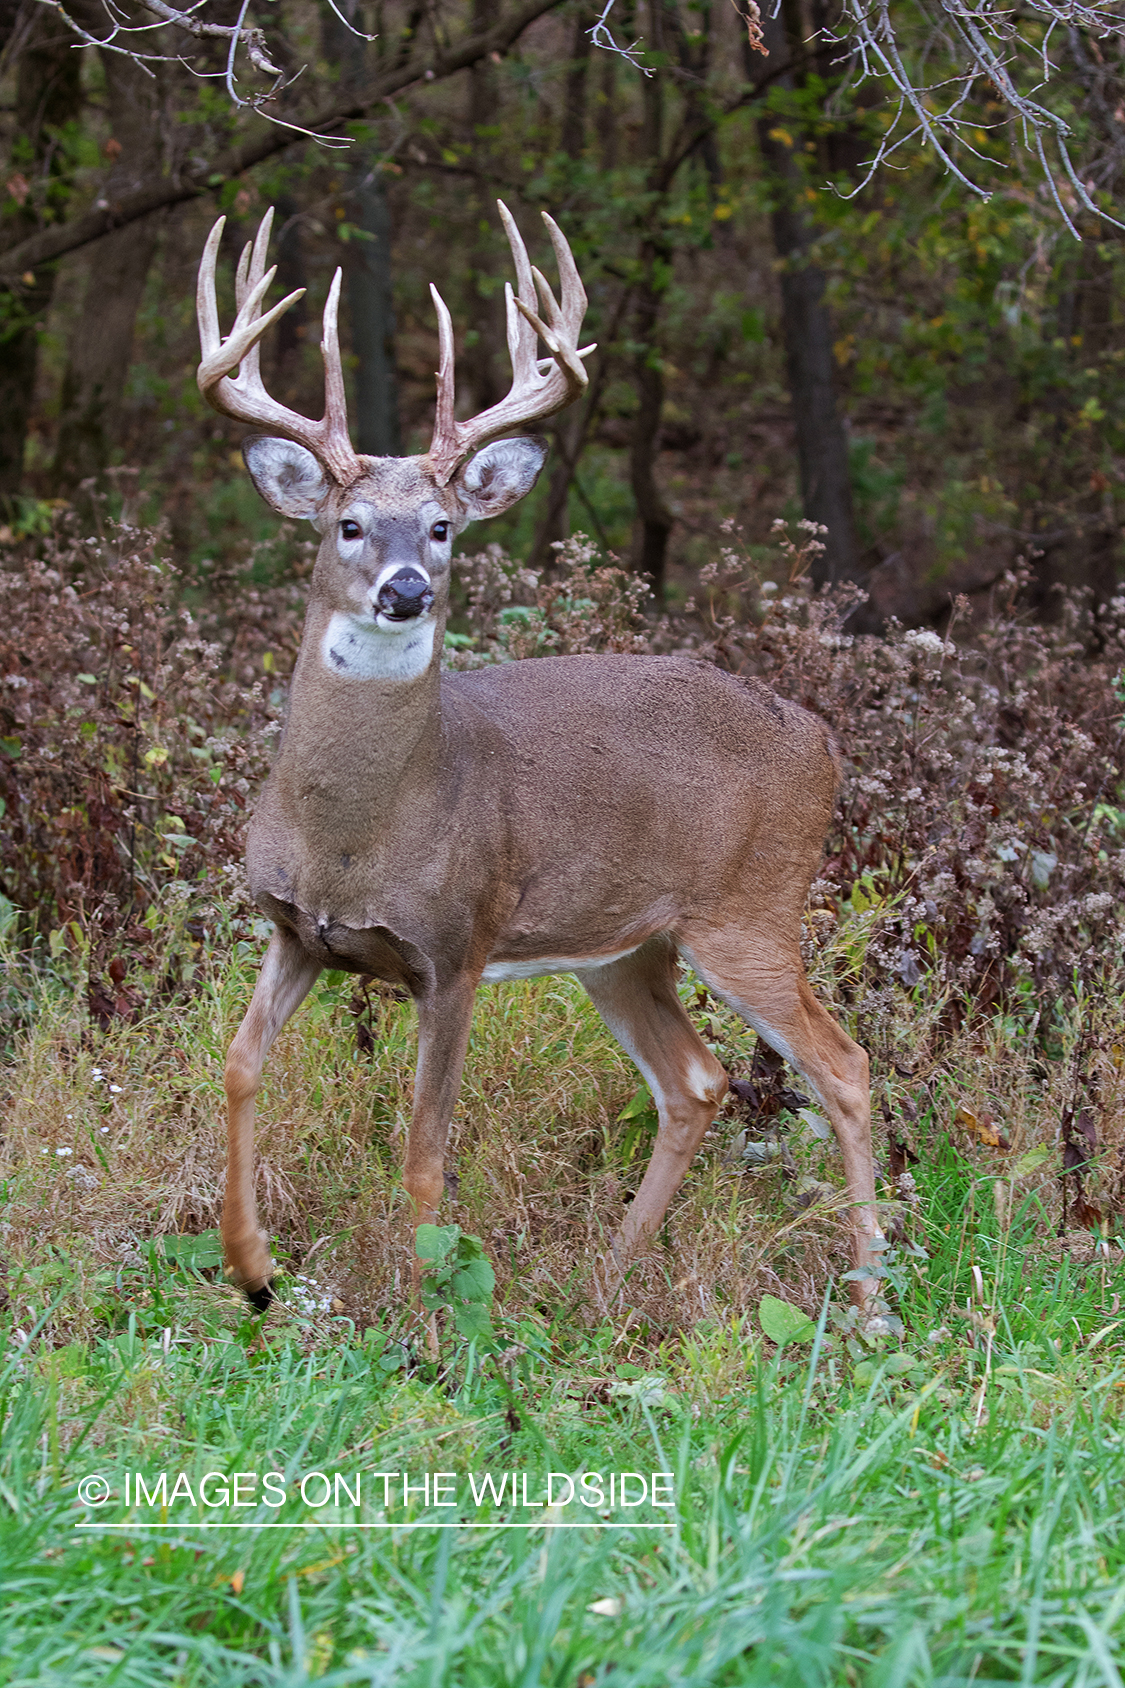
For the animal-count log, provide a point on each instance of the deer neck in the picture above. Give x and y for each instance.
(358, 742)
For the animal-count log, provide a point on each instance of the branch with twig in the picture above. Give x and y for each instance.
(202, 177)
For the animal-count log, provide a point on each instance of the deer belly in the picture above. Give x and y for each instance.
(538, 966)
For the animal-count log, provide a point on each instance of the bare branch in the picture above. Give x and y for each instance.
(198, 179)
(934, 54)
(602, 36)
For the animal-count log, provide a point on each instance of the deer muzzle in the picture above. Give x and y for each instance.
(404, 596)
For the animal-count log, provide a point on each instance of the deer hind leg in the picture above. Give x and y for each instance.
(287, 976)
(636, 997)
(761, 976)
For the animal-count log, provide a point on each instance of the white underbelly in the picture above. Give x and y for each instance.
(495, 971)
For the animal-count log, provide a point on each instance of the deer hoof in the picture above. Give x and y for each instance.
(261, 1297)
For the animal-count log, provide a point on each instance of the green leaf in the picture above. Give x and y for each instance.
(783, 1322)
(475, 1281)
(1032, 1161)
(201, 1252)
(1043, 864)
(433, 1242)
(638, 1104)
(899, 1363)
(816, 1123)
(473, 1321)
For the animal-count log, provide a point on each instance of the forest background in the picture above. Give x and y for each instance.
(930, 371)
(921, 358)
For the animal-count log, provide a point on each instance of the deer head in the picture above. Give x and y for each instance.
(388, 524)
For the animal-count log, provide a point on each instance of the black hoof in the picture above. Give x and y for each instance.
(260, 1299)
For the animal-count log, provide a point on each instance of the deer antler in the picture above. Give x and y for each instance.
(244, 396)
(539, 386)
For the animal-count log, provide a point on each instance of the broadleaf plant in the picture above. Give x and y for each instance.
(458, 1276)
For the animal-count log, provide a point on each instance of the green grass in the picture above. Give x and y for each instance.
(824, 1532)
(941, 1509)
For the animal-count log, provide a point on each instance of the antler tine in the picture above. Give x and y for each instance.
(244, 396)
(521, 344)
(538, 388)
(335, 396)
(241, 283)
(248, 278)
(445, 428)
(206, 304)
(548, 304)
(252, 263)
(571, 291)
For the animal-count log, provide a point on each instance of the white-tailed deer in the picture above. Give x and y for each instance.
(597, 815)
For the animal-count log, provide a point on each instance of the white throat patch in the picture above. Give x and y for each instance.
(359, 650)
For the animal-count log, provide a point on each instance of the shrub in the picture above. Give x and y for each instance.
(128, 756)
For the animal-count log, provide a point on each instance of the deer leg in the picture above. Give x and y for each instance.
(287, 976)
(444, 1021)
(636, 997)
(761, 976)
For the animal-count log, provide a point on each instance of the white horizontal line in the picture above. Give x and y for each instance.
(342, 1524)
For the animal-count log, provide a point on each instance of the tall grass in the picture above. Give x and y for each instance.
(944, 1509)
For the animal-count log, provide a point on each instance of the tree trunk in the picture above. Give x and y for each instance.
(100, 353)
(606, 121)
(102, 339)
(654, 519)
(822, 442)
(289, 334)
(575, 99)
(48, 95)
(371, 303)
(368, 267)
(485, 355)
(566, 430)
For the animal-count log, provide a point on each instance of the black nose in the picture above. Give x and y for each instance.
(405, 595)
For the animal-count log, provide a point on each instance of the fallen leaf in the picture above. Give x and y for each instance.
(611, 1607)
(238, 1581)
(900, 1156)
(1084, 1215)
(1083, 1127)
(19, 187)
(983, 1126)
(783, 1322)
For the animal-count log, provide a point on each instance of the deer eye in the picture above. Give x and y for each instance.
(350, 530)
(439, 533)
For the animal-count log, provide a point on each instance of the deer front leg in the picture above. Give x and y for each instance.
(444, 1018)
(287, 976)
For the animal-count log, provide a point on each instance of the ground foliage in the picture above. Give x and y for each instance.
(971, 879)
(880, 1510)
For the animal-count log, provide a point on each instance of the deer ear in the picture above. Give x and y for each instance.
(288, 477)
(498, 475)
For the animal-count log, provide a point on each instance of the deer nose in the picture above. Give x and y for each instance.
(405, 595)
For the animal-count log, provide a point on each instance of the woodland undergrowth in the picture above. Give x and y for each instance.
(967, 924)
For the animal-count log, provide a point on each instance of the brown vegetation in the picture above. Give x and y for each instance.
(966, 923)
